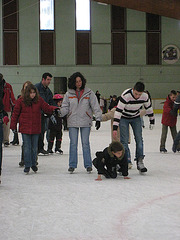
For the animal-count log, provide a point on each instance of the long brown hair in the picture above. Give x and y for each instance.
(27, 100)
(23, 87)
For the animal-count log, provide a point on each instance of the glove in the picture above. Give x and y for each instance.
(97, 125)
(14, 130)
(57, 112)
(151, 126)
(53, 119)
(5, 120)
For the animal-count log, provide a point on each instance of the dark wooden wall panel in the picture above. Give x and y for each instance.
(167, 8)
(82, 48)
(47, 48)
(10, 48)
(118, 48)
(153, 48)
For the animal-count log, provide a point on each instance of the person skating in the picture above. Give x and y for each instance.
(128, 113)
(110, 161)
(55, 126)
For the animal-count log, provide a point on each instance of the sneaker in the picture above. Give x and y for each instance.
(163, 150)
(43, 152)
(71, 169)
(50, 151)
(34, 168)
(6, 144)
(130, 165)
(59, 151)
(140, 166)
(26, 169)
(89, 169)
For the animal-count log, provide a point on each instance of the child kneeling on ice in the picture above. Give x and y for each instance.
(111, 160)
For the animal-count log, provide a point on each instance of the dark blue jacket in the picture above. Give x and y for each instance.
(45, 93)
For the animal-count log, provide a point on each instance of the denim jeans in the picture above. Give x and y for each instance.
(137, 130)
(73, 135)
(1, 141)
(30, 145)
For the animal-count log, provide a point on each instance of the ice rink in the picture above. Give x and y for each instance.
(55, 205)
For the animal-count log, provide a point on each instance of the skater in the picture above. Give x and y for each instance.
(110, 116)
(128, 113)
(28, 112)
(46, 94)
(168, 120)
(55, 126)
(111, 160)
(3, 119)
(80, 103)
(8, 102)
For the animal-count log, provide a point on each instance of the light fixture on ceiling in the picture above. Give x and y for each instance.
(105, 4)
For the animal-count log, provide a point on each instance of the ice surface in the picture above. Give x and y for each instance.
(56, 205)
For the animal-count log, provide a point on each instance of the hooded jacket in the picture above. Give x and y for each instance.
(80, 113)
(29, 117)
(107, 162)
(167, 118)
(8, 97)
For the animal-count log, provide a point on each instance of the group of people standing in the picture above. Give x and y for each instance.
(37, 105)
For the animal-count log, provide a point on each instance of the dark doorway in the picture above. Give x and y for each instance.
(60, 85)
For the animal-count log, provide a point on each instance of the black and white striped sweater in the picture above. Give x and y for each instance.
(129, 107)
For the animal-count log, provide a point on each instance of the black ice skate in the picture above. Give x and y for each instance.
(71, 169)
(140, 165)
(59, 151)
(163, 150)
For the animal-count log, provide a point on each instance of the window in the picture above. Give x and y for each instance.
(83, 32)
(47, 32)
(82, 15)
(46, 15)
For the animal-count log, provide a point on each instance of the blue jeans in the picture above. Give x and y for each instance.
(137, 130)
(30, 145)
(1, 141)
(73, 135)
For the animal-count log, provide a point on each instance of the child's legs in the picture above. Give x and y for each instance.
(163, 136)
(52, 135)
(85, 132)
(34, 148)
(58, 139)
(73, 135)
(27, 145)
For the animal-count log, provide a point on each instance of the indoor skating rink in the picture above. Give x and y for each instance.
(55, 205)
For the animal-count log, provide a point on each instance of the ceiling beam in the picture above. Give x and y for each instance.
(166, 8)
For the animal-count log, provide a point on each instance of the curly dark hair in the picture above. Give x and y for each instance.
(27, 100)
(72, 81)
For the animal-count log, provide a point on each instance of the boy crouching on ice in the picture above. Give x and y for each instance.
(111, 159)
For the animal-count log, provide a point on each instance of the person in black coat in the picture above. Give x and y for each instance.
(55, 126)
(111, 160)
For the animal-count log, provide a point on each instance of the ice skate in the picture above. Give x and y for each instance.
(140, 166)
(71, 169)
(26, 170)
(89, 169)
(59, 151)
(34, 168)
(163, 150)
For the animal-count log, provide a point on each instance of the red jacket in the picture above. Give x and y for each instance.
(29, 117)
(8, 99)
(167, 118)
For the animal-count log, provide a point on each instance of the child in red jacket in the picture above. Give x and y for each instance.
(28, 112)
(168, 120)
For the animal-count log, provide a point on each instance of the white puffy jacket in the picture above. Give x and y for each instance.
(80, 114)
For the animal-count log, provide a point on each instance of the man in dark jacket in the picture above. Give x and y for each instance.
(111, 160)
(47, 95)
